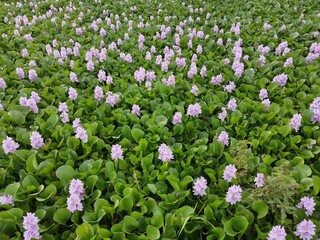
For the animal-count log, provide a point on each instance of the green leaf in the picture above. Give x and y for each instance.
(91, 181)
(235, 117)
(174, 181)
(146, 162)
(129, 224)
(261, 208)
(161, 121)
(153, 232)
(143, 144)
(52, 121)
(137, 134)
(316, 185)
(85, 231)
(16, 117)
(47, 193)
(302, 171)
(293, 35)
(65, 173)
(31, 164)
(73, 142)
(284, 130)
(178, 129)
(236, 225)
(126, 204)
(217, 233)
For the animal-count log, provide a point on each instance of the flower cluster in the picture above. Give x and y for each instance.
(315, 107)
(281, 79)
(194, 110)
(234, 194)
(295, 122)
(9, 146)
(36, 140)
(229, 173)
(277, 233)
(30, 224)
(76, 190)
(308, 204)
(165, 153)
(31, 102)
(116, 152)
(6, 199)
(112, 98)
(200, 186)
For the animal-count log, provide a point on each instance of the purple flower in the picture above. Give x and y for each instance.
(193, 70)
(315, 107)
(259, 180)
(229, 173)
(234, 194)
(281, 79)
(171, 81)
(20, 73)
(165, 153)
(262, 60)
(9, 146)
(31, 103)
(36, 140)
(109, 79)
(64, 117)
(90, 65)
(136, 109)
(288, 62)
(23, 101)
(116, 152)
(76, 123)
(232, 104)
(35, 96)
(32, 75)
(295, 122)
(216, 80)
(2, 83)
(177, 118)
(308, 204)
(98, 93)
(305, 230)
(73, 77)
(139, 75)
(230, 87)
(74, 203)
(30, 224)
(266, 103)
(102, 76)
(200, 186)
(277, 233)
(72, 93)
(6, 199)
(63, 107)
(112, 98)
(81, 134)
(222, 115)
(224, 138)
(313, 142)
(266, 26)
(194, 110)
(77, 188)
(203, 71)
(194, 90)
(263, 94)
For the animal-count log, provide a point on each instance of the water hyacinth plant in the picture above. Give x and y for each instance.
(159, 119)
